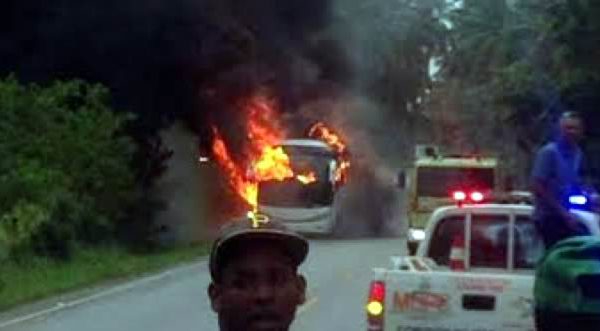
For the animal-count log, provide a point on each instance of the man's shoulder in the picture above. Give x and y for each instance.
(553, 148)
(547, 149)
(544, 162)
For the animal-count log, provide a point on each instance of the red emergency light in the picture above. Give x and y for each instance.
(459, 196)
(473, 196)
(476, 196)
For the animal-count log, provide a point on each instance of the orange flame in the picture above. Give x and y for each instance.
(246, 189)
(273, 164)
(322, 132)
(307, 179)
(341, 172)
(263, 129)
(266, 161)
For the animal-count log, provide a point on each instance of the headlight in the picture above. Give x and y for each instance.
(416, 234)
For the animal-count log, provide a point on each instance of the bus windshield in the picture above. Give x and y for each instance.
(294, 194)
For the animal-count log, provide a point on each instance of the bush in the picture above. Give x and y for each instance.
(65, 167)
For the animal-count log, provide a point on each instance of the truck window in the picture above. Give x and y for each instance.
(528, 244)
(489, 241)
(441, 240)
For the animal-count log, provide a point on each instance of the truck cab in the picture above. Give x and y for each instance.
(498, 237)
(474, 270)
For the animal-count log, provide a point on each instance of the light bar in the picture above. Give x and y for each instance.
(579, 200)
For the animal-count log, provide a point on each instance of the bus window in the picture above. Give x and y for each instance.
(293, 194)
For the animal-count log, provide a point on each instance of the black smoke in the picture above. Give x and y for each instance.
(194, 60)
(170, 59)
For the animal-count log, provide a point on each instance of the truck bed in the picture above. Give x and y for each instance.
(422, 296)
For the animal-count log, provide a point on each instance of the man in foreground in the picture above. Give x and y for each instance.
(255, 282)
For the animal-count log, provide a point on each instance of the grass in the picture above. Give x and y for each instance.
(42, 278)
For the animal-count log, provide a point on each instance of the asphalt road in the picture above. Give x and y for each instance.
(338, 273)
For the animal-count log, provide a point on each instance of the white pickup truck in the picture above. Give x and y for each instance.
(474, 271)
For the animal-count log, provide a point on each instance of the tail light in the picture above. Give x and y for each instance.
(375, 306)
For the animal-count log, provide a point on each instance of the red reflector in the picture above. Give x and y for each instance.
(459, 196)
(477, 196)
(377, 292)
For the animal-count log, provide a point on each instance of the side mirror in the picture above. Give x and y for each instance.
(401, 180)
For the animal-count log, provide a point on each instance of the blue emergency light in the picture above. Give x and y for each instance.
(578, 200)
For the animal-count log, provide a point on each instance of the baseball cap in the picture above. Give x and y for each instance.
(568, 277)
(260, 228)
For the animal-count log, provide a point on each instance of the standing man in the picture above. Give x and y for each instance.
(556, 173)
(255, 282)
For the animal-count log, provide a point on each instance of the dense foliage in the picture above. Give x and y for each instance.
(517, 64)
(65, 167)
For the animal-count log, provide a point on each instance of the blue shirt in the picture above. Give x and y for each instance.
(558, 165)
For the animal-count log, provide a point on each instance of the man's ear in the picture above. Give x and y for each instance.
(301, 287)
(214, 293)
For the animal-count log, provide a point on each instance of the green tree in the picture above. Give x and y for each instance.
(514, 65)
(65, 166)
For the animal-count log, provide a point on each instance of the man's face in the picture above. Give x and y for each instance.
(571, 129)
(259, 290)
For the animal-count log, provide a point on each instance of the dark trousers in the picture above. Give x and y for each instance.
(554, 229)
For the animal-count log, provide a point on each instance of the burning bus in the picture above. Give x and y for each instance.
(294, 180)
(306, 202)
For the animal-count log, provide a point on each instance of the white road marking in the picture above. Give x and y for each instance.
(114, 290)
